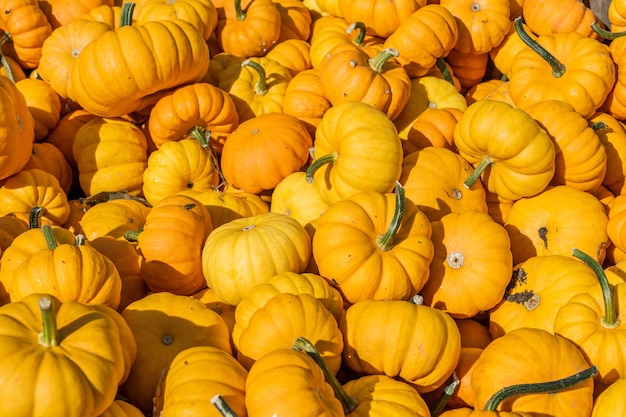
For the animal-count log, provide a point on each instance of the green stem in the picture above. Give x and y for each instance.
(448, 391)
(385, 241)
(104, 196)
(378, 62)
(349, 403)
(610, 319)
(558, 69)
(241, 15)
(201, 134)
(48, 235)
(606, 34)
(261, 86)
(599, 126)
(445, 70)
(34, 219)
(318, 163)
(5, 37)
(49, 335)
(478, 171)
(126, 18)
(222, 406)
(131, 235)
(360, 38)
(536, 388)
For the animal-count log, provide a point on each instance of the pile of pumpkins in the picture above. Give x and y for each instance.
(322, 207)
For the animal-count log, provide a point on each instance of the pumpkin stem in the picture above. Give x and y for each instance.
(222, 406)
(317, 164)
(49, 335)
(478, 171)
(445, 70)
(201, 134)
(104, 196)
(79, 240)
(378, 62)
(439, 406)
(599, 126)
(558, 69)
(385, 241)
(261, 86)
(131, 235)
(536, 388)
(349, 403)
(417, 299)
(360, 37)
(126, 18)
(610, 319)
(48, 235)
(606, 34)
(241, 15)
(4, 38)
(34, 218)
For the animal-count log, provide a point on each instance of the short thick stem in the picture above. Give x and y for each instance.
(48, 235)
(49, 335)
(478, 171)
(126, 18)
(222, 406)
(34, 218)
(378, 62)
(318, 163)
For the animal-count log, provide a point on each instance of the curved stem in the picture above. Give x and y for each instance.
(385, 241)
(349, 403)
(318, 163)
(478, 171)
(610, 319)
(222, 406)
(445, 70)
(5, 37)
(536, 388)
(261, 86)
(201, 134)
(48, 235)
(448, 391)
(241, 15)
(49, 335)
(558, 69)
(34, 217)
(606, 34)
(378, 62)
(126, 18)
(360, 37)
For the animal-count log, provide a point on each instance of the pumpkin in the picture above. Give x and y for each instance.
(218, 63)
(257, 86)
(113, 218)
(539, 288)
(555, 221)
(467, 68)
(493, 89)
(432, 128)
(510, 151)
(111, 15)
(472, 264)
(292, 54)
(32, 188)
(49, 158)
(610, 403)
(63, 12)
(111, 155)
(570, 16)
(116, 92)
(374, 246)
(504, 53)
(198, 104)
(43, 103)
(11, 226)
(430, 32)
(186, 387)
(591, 320)
(356, 148)
(63, 134)
(295, 21)
(264, 150)
(215, 303)
(426, 350)
(380, 17)
(249, 31)
(350, 74)
(616, 221)
(504, 362)
(56, 341)
(580, 160)
(565, 66)
(18, 133)
(305, 99)
(202, 14)
(164, 325)
(481, 25)
(70, 272)
(249, 251)
(121, 408)
(27, 26)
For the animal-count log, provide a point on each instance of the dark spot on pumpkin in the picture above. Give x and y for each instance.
(520, 297)
(543, 232)
(190, 185)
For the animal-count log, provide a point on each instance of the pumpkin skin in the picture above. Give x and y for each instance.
(202, 14)
(295, 378)
(164, 325)
(504, 362)
(111, 155)
(292, 54)
(380, 17)
(540, 287)
(570, 16)
(121, 408)
(433, 180)
(428, 33)
(610, 403)
(43, 103)
(617, 213)
(48, 157)
(249, 251)
(282, 319)
(18, 133)
(264, 150)
(113, 218)
(115, 92)
(614, 140)
(63, 134)
(472, 264)
(187, 388)
(556, 221)
(197, 104)
(580, 159)
(433, 128)
(521, 168)
(89, 356)
(427, 348)
(367, 147)
(64, 12)
(305, 99)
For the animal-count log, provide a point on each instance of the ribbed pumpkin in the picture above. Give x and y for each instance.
(202, 14)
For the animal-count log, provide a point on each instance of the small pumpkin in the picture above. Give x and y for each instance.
(570, 16)
(292, 54)
(380, 17)
(610, 403)
(43, 103)
(48, 157)
(305, 99)
(202, 14)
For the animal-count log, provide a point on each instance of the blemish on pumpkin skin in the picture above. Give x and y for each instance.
(543, 231)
